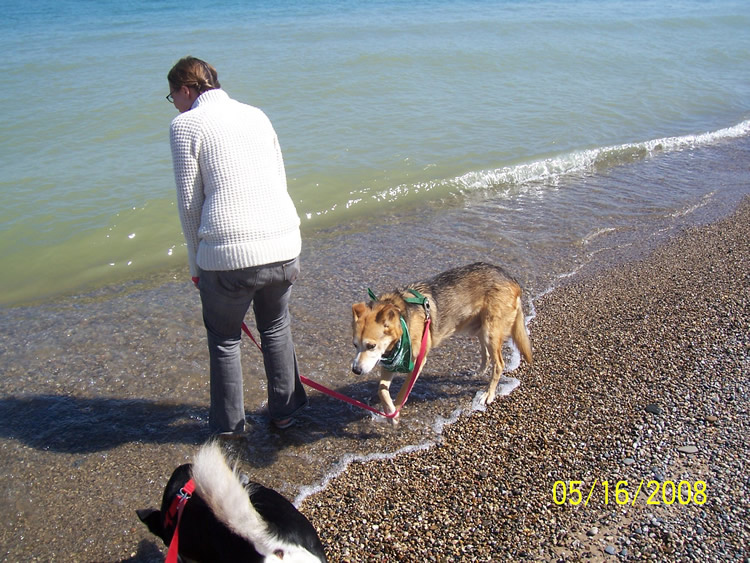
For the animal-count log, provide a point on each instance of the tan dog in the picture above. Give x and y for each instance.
(478, 299)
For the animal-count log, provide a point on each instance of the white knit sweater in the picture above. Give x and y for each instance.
(231, 186)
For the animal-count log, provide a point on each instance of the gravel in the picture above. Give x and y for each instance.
(640, 376)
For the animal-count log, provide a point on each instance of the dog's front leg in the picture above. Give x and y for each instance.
(401, 397)
(384, 392)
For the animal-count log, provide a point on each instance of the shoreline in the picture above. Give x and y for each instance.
(638, 377)
(668, 329)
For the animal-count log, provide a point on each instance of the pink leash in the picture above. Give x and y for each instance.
(355, 402)
(178, 505)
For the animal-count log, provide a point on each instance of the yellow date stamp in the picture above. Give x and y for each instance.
(623, 492)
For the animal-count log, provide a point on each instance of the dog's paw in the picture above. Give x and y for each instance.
(389, 409)
(392, 419)
(487, 398)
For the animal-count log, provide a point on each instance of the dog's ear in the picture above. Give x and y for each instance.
(152, 518)
(358, 309)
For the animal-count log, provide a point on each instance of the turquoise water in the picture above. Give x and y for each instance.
(378, 106)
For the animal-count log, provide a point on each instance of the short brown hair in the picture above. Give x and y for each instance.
(194, 73)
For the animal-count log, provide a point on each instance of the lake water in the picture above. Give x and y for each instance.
(378, 106)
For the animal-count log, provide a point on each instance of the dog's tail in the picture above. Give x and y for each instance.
(519, 334)
(227, 497)
(222, 490)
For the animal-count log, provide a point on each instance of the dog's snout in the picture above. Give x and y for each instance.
(356, 369)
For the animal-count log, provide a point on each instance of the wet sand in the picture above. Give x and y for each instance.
(632, 362)
(640, 375)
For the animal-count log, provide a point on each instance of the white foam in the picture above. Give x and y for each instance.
(596, 233)
(551, 170)
(439, 425)
(348, 459)
(506, 385)
(693, 208)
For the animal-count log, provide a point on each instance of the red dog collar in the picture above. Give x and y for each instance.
(178, 505)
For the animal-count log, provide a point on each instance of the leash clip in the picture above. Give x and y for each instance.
(183, 495)
(426, 306)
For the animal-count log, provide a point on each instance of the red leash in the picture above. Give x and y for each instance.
(355, 402)
(178, 505)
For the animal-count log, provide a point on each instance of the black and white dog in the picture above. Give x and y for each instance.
(226, 520)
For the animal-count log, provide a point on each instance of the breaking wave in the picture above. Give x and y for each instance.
(551, 170)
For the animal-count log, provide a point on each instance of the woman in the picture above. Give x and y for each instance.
(243, 238)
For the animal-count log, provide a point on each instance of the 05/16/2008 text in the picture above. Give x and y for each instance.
(655, 492)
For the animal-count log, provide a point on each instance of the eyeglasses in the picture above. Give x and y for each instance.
(169, 96)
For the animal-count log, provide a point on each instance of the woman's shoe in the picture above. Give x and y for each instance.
(283, 423)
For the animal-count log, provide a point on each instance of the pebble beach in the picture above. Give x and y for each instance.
(640, 378)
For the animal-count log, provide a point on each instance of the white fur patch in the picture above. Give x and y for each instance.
(367, 360)
(220, 487)
(224, 493)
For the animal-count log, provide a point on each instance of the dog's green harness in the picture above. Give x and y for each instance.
(400, 359)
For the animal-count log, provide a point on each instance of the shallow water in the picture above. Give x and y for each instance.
(377, 106)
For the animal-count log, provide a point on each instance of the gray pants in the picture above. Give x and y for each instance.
(226, 298)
